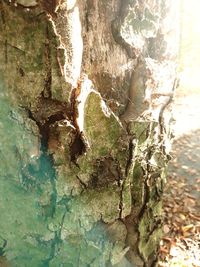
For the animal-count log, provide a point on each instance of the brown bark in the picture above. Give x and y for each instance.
(87, 84)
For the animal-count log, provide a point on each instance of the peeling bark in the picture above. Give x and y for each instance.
(86, 87)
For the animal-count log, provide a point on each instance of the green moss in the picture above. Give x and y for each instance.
(104, 132)
(96, 204)
(126, 198)
(148, 248)
(148, 160)
(67, 183)
(137, 187)
(150, 229)
(143, 130)
(28, 39)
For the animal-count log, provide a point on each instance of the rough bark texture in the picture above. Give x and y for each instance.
(84, 130)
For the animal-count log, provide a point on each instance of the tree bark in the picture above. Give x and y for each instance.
(85, 133)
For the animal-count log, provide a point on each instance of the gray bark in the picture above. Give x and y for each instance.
(85, 136)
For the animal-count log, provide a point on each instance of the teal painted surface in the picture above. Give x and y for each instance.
(39, 229)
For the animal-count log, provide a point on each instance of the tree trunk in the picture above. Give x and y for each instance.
(85, 93)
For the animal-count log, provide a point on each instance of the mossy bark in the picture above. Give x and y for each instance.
(85, 136)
